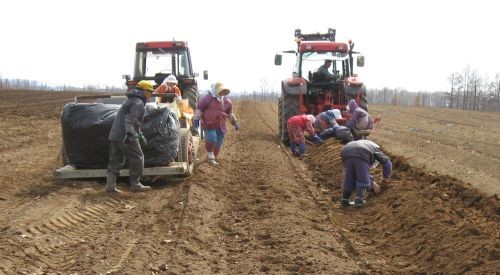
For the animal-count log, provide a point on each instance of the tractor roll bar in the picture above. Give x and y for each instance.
(330, 36)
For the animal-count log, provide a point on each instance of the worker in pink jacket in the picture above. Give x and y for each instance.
(296, 125)
(359, 120)
(212, 110)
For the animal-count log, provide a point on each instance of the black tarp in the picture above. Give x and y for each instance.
(86, 126)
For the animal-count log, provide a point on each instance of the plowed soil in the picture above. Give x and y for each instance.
(261, 211)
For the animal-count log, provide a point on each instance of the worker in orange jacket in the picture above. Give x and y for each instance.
(169, 85)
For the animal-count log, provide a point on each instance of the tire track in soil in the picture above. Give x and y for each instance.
(61, 241)
(325, 196)
(258, 212)
(439, 138)
(271, 218)
(417, 217)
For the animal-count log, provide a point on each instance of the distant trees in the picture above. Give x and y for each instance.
(266, 92)
(33, 85)
(470, 91)
(258, 96)
(402, 97)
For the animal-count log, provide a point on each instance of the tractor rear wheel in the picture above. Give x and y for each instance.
(191, 94)
(290, 107)
(280, 117)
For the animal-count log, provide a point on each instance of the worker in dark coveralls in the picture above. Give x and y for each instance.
(326, 75)
(124, 139)
(358, 157)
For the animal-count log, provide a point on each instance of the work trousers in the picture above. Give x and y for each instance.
(214, 139)
(356, 174)
(132, 153)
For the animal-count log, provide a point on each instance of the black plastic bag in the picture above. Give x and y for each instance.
(162, 130)
(86, 127)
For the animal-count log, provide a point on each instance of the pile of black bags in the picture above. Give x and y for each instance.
(85, 130)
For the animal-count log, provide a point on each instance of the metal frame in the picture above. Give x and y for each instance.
(174, 168)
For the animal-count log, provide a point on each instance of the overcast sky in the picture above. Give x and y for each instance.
(410, 44)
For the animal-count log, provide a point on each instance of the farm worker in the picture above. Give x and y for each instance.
(323, 70)
(169, 85)
(212, 110)
(357, 158)
(326, 124)
(124, 139)
(325, 120)
(296, 125)
(359, 120)
(338, 132)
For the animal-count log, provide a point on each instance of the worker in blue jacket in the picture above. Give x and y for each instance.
(358, 157)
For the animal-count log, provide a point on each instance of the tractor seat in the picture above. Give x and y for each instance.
(327, 85)
(318, 80)
(159, 77)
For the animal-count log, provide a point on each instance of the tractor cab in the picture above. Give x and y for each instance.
(157, 60)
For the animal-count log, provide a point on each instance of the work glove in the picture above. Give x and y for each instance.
(143, 140)
(236, 126)
(127, 138)
(316, 139)
(196, 123)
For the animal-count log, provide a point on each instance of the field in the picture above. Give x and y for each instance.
(261, 211)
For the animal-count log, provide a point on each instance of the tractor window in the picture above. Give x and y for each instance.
(159, 62)
(165, 61)
(150, 63)
(311, 61)
(184, 64)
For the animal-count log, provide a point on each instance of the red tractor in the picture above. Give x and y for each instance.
(157, 60)
(308, 91)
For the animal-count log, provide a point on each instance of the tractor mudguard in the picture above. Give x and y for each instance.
(294, 89)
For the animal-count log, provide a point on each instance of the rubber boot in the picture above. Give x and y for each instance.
(293, 148)
(302, 150)
(211, 159)
(346, 195)
(360, 195)
(210, 147)
(136, 186)
(111, 183)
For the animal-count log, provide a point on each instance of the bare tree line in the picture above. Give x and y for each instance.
(258, 96)
(266, 93)
(34, 85)
(468, 91)
(403, 97)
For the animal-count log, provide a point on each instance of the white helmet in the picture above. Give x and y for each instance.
(311, 118)
(170, 79)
